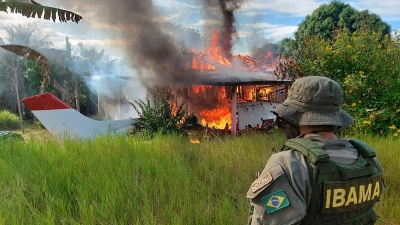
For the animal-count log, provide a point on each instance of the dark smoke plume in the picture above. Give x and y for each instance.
(148, 49)
(228, 30)
(154, 54)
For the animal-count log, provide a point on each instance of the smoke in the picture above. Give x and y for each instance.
(155, 55)
(150, 51)
(226, 9)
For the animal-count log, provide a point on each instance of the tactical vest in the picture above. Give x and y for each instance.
(341, 193)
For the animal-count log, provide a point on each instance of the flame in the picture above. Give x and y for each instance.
(215, 51)
(216, 118)
(269, 55)
(219, 115)
(266, 91)
(198, 88)
(198, 64)
(194, 141)
(211, 105)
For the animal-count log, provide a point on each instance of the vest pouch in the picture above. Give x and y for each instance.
(366, 150)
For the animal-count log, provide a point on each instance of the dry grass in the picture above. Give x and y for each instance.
(34, 131)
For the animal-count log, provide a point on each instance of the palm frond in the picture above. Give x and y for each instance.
(35, 56)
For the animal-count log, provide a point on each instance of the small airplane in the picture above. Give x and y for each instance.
(63, 121)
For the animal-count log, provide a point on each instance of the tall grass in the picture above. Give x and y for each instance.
(165, 180)
(388, 153)
(8, 120)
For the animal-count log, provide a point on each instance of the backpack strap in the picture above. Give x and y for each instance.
(308, 148)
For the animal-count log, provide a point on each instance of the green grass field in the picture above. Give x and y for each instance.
(165, 180)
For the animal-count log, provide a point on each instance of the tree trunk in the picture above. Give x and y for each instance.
(64, 91)
(18, 103)
(77, 103)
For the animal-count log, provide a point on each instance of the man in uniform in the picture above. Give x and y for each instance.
(317, 178)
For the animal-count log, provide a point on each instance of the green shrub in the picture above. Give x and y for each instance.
(8, 120)
(161, 113)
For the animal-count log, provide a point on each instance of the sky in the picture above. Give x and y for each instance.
(270, 20)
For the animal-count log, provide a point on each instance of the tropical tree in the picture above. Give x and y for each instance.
(85, 62)
(35, 56)
(337, 15)
(285, 47)
(357, 49)
(68, 70)
(366, 64)
(184, 37)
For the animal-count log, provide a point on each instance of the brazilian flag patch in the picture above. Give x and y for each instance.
(275, 201)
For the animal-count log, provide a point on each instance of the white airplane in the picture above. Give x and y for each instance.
(63, 121)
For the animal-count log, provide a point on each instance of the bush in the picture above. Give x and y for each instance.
(8, 120)
(161, 113)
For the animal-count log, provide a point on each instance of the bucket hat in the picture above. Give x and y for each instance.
(314, 100)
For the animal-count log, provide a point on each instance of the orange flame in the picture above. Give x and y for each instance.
(215, 51)
(221, 114)
(216, 118)
(269, 55)
(198, 88)
(211, 105)
(194, 141)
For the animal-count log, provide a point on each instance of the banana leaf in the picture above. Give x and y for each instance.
(36, 10)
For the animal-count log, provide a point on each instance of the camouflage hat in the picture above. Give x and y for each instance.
(314, 100)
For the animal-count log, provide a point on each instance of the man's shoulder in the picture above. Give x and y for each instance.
(283, 156)
(312, 149)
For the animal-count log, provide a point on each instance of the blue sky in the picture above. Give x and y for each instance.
(271, 20)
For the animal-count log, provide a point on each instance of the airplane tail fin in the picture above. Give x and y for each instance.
(61, 120)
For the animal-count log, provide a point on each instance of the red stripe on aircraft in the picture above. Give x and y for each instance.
(46, 101)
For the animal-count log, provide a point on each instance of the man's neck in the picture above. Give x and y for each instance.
(324, 131)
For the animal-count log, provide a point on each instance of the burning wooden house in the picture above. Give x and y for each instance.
(238, 93)
(229, 93)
